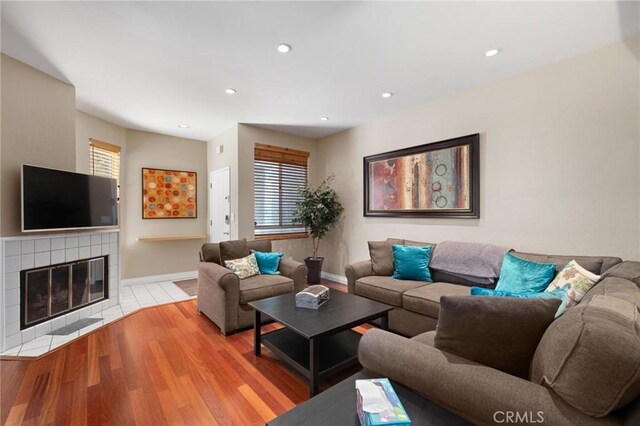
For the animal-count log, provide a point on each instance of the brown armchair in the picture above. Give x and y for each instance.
(223, 297)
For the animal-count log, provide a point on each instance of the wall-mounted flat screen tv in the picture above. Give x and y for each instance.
(60, 200)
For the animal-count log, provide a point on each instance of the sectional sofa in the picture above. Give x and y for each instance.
(417, 303)
(585, 369)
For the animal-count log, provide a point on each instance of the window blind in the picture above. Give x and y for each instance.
(104, 160)
(278, 173)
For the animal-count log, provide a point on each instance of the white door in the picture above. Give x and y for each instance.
(219, 207)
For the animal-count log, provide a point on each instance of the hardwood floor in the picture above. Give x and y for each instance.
(161, 365)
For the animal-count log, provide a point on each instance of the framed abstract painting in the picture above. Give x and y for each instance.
(435, 180)
(169, 194)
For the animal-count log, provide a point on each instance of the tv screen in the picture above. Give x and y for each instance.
(57, 200)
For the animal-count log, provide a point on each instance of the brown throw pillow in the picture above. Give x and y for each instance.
(211, 252)
(381, 253)
(499, 332)
(235, 249)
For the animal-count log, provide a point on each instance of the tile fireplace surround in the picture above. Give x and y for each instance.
(26, 252)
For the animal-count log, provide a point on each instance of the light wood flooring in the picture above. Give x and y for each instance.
(162, 365)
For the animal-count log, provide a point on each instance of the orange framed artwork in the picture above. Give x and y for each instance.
(169, 194)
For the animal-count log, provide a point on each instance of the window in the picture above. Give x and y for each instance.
(278, 174)
(104, 160)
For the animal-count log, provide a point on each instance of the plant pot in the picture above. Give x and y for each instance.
(315, 269)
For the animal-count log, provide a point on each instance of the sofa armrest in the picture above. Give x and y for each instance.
(218, 295)
(629, 270)
(356, 271)
(478, 393)
(297, 271)
(220, 276)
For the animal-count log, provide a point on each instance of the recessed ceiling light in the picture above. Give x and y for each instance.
(387, 95)
(184, 126)
(230, 91)
(283, 48)
(324, 118)
(492, 52)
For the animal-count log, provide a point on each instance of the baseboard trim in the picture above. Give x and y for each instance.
(333, 277)
(156, 278)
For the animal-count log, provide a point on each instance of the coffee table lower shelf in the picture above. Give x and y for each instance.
(336, 351)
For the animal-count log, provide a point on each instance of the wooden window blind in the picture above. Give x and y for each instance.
(278, 173)
(104, 160)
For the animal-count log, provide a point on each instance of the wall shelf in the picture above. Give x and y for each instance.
(154, 238)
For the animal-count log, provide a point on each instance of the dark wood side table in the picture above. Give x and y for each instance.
(319, 342)
(337, 407)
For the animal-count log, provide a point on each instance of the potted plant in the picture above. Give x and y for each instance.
(318, 210)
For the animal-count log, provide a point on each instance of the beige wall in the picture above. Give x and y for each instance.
(559, 162)
(164, 257)
(228, 141)
(248, 136)
(90, 127)
(238, 142)
(38, 128)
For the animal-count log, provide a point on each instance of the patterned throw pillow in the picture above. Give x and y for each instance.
(575, 280)
(245, 267)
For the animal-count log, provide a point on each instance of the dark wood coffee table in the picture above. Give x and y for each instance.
(316, 342)
(337, 407)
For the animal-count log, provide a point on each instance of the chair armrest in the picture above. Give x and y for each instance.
(478, 393)
(297, 271)
(214, 274)
(356, 271)
(218, 295)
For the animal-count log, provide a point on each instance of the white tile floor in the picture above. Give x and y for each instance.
(132, 298)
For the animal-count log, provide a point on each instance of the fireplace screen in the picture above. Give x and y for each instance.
(55, 290)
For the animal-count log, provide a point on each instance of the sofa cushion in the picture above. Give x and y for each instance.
(385, 289)
(234, 249)
(381, 254)
(595, 264)
(263, 286)
(614, 287)
(211, 253)
(411, 262)
(446, 277)
(427, 338)
(499, 332)
(629, 270)
(259, 245)
(590, 356)
(426, 300)
(524, 276)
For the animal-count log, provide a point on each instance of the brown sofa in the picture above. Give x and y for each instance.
(585, 370)
(417, 303)
(223, 297)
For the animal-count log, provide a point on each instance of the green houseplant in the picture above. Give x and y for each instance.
(319, 210)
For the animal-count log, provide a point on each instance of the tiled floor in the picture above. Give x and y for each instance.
(131, 298)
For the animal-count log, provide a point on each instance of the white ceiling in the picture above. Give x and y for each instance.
(154, 65)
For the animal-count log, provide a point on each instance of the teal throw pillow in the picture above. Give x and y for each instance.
(268, 262)
(411, 263)
(524, 276)
(555, 294)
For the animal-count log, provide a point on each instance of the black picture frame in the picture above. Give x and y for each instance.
(429, 188)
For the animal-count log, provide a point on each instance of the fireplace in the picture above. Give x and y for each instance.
(55, 290)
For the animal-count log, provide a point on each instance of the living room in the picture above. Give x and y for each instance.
(185, 87)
